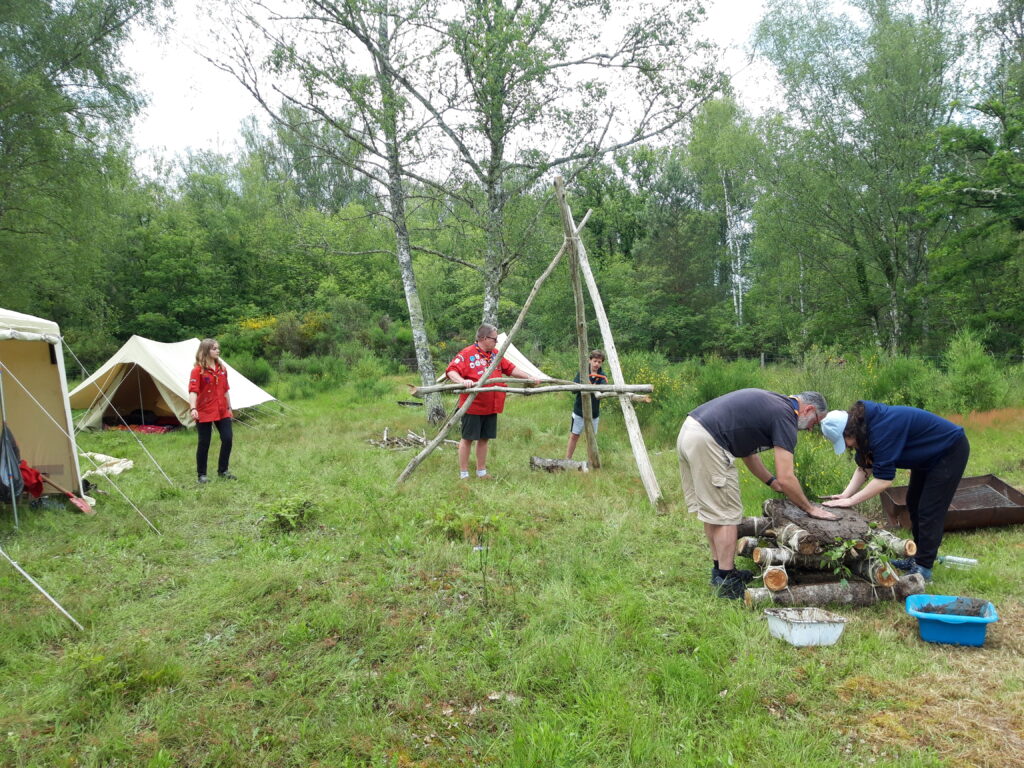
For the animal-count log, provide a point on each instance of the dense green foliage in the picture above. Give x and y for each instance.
(875, 212)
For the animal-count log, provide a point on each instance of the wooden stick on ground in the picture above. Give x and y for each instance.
(446, 427)
(558, 465)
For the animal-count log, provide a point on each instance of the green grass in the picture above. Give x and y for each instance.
(313, 614)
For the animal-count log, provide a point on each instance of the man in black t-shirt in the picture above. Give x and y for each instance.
(741, 424)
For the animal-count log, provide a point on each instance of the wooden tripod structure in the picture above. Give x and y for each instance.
(579, 266)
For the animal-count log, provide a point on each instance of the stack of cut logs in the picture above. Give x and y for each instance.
(807, 561)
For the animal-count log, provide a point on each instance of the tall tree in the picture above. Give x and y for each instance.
(865, 94)
(357, 98)
(981, 188)
(534, 85)
(65, 101)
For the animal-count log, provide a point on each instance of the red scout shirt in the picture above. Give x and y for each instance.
(470, 364)
(211, 386)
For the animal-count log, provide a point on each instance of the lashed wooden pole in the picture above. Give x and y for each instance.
(581, 322)
(446, 427)
(636, 438)
(523, 387)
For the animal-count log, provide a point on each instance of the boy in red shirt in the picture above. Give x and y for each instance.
(480, 422)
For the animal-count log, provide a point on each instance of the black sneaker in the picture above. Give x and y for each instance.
(203, 479)
(226, 476)
(904, 563)
(743, 575)
(732, 587)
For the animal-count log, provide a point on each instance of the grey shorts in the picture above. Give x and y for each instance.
(711, 482)
(576, 427)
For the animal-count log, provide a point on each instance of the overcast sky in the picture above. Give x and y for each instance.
(193, 105)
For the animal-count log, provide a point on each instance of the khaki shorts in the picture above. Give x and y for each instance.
(711, 482)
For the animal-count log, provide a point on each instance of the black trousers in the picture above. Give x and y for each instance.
(205, 429)
(928, 498)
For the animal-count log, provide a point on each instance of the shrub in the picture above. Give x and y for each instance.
(973, 381)
(288, 514)
(717, 377)
(369, 373)
(256, 369)
(900, 381)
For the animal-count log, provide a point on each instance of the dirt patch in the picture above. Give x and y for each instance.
(966, 708)
(999, 418)
(962, 606)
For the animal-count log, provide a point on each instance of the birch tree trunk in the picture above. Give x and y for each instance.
(435, 411)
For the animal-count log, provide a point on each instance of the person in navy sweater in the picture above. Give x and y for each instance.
(890, 437)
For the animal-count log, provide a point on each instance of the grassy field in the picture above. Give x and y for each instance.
(313, 614)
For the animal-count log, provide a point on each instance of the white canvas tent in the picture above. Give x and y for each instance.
(35, 396)
(152, 376)
(519, 360)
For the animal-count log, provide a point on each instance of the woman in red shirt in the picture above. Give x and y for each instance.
(210, 406)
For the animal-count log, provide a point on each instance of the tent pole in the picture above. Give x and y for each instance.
(42, 591)
(135, 434)
(3, 420)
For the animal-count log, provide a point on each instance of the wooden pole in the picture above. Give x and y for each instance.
(636, 438)
(522, 387)
(446, 427)
(581, 321)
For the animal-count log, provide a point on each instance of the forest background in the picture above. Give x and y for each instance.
(400, 190)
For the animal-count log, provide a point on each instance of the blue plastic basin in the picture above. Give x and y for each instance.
(949, 628)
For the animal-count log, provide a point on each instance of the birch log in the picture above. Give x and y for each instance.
(746, 546)
(775, 577)
(851, 593)
(753, 526)
(558, 465)
(893, 544)
(793, 537)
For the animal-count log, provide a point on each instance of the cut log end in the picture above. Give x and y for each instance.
(884, 576)
(776, 578)
(746, 546)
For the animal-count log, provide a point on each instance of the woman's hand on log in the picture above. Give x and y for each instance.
(838, 502)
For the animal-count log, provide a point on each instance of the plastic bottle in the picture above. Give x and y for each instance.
(957, 562)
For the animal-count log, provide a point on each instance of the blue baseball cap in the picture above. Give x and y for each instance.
(832, 427)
